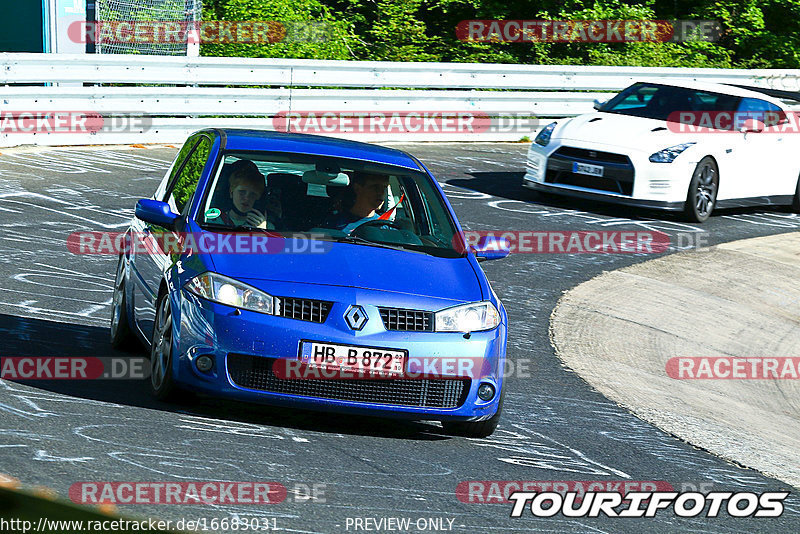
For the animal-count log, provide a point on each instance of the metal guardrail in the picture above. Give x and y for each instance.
(137, 69)
(197, 92)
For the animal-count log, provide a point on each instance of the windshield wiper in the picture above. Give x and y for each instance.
(355, 240)
(255, 229)
(215, 226)
(233, 229)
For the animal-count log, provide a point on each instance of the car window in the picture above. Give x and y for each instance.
(331, 198)
(637, 97)
(755, 108)
(656, 101)
(184, 183)
(177, 165)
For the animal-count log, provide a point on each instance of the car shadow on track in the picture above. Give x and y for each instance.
(38, 338)
(508, 185)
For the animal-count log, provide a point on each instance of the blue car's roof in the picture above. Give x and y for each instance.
(239, 139)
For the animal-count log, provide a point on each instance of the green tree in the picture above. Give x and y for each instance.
(303, 20)
(763, 33)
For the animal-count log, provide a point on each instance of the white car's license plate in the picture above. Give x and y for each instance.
(585, 168)
(386, 362)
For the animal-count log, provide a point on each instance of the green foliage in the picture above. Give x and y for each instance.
(757, 34)
(303, 37)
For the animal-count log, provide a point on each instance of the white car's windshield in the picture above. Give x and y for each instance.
(329, 198)
(654, 101)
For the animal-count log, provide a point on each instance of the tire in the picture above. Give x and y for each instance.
(702, 194)
(161, 383)
(475, 429)
(122, 337)
(796, 200)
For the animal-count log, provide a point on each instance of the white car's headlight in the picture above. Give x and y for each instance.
(473, 317)
(543, 137)
(668, 155)
(223, 290)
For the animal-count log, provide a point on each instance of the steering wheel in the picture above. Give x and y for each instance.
(378, 222)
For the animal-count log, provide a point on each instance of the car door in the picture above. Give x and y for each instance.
(149, 260)
(763, 153)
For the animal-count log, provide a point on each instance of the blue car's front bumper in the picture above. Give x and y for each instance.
(217, 330)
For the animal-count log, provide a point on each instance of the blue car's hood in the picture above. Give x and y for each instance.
(360, 266)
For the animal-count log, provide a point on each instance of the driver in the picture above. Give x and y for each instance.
(368, 195)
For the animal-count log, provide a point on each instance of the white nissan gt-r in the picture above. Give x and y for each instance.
(679, 146)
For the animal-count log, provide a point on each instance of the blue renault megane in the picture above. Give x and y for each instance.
(312, 272)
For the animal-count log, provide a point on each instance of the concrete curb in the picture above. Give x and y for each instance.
(740, 299)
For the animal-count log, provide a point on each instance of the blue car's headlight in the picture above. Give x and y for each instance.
(668, 155)
(223, 290)
(468, 318)
(543, 137)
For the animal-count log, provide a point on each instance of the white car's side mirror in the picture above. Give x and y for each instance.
(599, 103)
(752, 125)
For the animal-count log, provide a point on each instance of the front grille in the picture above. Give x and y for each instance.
(254, 372)
(593, 155)
(315, 311)
(618, 171)
(406, 320)
(589, 182)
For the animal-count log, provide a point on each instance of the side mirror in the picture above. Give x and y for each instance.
(599, 104)
(752, 125)
(156, 212)
(490, 248)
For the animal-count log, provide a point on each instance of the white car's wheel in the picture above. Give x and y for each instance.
(702, 195)
(796, 201)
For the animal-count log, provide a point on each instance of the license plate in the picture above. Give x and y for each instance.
(365, 360)
(585, 168)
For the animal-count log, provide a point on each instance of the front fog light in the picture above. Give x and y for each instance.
(486, 392)
(204, 363)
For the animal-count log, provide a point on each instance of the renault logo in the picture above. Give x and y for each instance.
(356, 317)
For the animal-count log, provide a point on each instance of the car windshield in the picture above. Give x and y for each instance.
(654, 101)
(333, 199)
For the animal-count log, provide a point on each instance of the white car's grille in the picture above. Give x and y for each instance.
(617, 177)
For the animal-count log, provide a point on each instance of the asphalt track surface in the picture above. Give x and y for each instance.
(555, 427)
